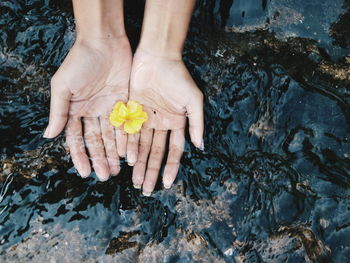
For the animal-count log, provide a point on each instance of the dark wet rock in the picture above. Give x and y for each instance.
(121, 243)
(324, 22)
(340, 30)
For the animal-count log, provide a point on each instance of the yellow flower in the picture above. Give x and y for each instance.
(131, 115)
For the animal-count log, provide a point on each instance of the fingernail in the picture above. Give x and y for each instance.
(167, 186)
(83, 171)
(103, 179)
(166, 183)
(46, 133)
(137, 186)
(201, 147)
(146, 194)
(131, 159)
(84, 175)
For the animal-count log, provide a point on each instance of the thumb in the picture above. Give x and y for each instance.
(59, 107)
(196, 119)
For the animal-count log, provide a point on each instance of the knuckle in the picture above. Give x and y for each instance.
(152, 169)
(145, 147)
(113, 159)
(92, 136)
(111, 152)
(145, 144)
(154, 163)
(157, 150)
(141, 161)
(95, 147)
(73, 140)
(98, 159)
(173, 163)
(132, 145)
(72, 131)
(119, 132)
(199, 95)
(56, 81)
(75, 150)
(108, 138)
(174, 149)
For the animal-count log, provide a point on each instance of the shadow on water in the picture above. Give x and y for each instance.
(273, 184)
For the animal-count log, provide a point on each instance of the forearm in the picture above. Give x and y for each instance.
(99, 18)
(165, 27)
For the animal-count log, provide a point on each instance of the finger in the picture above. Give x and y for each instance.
(76, 146)
(196, 119)
(59, 107)
(92, 135)
(155, 161)
(109, 142)
(138, 174)
(121, 139)
(132, 148)
(176, 149)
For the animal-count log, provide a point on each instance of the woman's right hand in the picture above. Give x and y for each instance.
(93, 77)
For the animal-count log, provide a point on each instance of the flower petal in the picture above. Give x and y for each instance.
(131, 115)
(143, 116)
(116, 120)
(121, 109)
(133, 126)
(135, 109)
(118, 115)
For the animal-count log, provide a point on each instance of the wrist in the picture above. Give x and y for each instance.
(102, 37)
(110, 44)
(159, 50)
(164, 27)
(102, 19)
(103, 33)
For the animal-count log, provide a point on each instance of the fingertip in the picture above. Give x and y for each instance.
(169, 176)
(147, 194)
(138, 176)
(196, 134)
(121, 141)
(59, 108)
(121, 148)
(201, 147)
(166, 185)
(196, 119)
(132, 149)
(84, 172)
(102, 176)
(149, 183)
(114, 166)
(122, 154)
(55, 128)
(82, 165)
(115, 171)
(46, 133)
(167, 182)
(197, 140)
(131, 158)
(103, 172)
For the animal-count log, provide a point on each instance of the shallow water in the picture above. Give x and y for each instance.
(272, 186)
